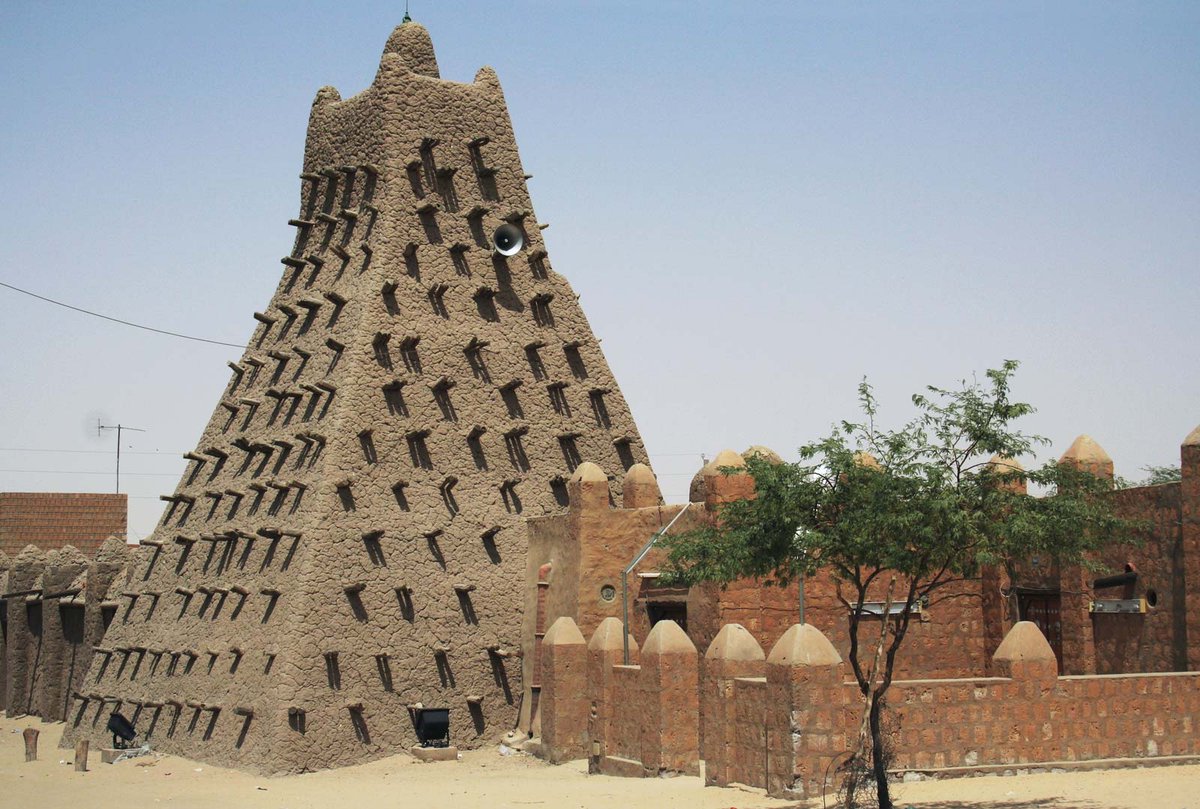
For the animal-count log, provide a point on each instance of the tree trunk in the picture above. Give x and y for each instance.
(879, 755)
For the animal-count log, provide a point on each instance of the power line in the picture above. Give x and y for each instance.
(69, 472)
(118, 320)
(88, 451)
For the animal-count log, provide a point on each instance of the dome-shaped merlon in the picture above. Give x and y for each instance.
(696, 490)
(762, 453)
(866, 460)
(1025, 652)
(564, 632)
(640, 488)
(588, 488)
(326, 95)
(1085, 454)
(1004, 467)
(803, 645)
(667, 638)
(411, 42)
(1193, 438)
(726, 479)
(609, 637)
(734, 642)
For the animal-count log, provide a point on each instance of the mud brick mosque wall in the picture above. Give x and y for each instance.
(56, 607)
(347, 539)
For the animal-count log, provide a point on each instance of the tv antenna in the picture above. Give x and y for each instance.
(100, 428)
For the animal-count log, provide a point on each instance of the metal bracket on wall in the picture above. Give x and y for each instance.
(1118, 605)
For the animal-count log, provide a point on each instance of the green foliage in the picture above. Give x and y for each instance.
(932, 509)
(920, 507)
(1154, 476)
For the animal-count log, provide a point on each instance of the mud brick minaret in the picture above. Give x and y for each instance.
(347, 539)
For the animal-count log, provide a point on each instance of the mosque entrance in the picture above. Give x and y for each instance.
(1045, 610)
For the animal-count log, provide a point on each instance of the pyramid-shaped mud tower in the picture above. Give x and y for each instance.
(347, 539)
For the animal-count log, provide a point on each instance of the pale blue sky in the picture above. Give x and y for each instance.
(759, 203)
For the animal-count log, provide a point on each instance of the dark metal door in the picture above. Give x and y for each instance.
(1045, 610)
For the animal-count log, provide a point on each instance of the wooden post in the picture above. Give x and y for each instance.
(81, 754)
(31, 737)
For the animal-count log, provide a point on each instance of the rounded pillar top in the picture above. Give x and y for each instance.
(725, 457)
(734, 642)
(866, 460)
(588, 472)
(609, 636)
(640, 488)
(763, 453)
(804, 645)
(667, 637)
(1085, 453)
(564, 632)
(1193, 438)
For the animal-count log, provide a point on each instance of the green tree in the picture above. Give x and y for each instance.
(909, 511)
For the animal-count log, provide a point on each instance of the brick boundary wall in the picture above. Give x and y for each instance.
(787, 728)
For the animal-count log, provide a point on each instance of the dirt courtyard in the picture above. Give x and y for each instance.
(485, 778)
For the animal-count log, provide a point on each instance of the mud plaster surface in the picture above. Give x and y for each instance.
(347, 538)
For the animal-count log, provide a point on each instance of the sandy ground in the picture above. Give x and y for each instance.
(484, 778)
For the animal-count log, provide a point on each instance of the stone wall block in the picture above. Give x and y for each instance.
(605, 650)
(804, 685)
(669, 681)
(1190, 500)
(733, 653)
(564, 703)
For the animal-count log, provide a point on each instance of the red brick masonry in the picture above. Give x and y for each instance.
(787, 721)
(53, 520)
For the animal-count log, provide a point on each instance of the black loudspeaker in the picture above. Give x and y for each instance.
(508, 240)
(123, 732)
(433, 726)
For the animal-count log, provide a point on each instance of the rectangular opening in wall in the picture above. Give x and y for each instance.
(575, 360)
(540, 307)
(624, 448)
(475, 444)
(390, 303)
(534, 357)
(558, 398)
(514, 442)
(570, 451)
(373, 542)
(338, 303)
(366, 442)
(508, 494)
(393, 396)
(437, 300)
(485, 304)
(401, 497)
(599, 407)
(512, 402)
(537, 265)
(475, 359)
(409, 355)
(441, 396)
(418, 449)
(446, 190)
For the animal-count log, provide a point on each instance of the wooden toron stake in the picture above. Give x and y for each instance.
(31, 736)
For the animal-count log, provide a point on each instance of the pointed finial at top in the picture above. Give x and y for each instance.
(407, 18)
